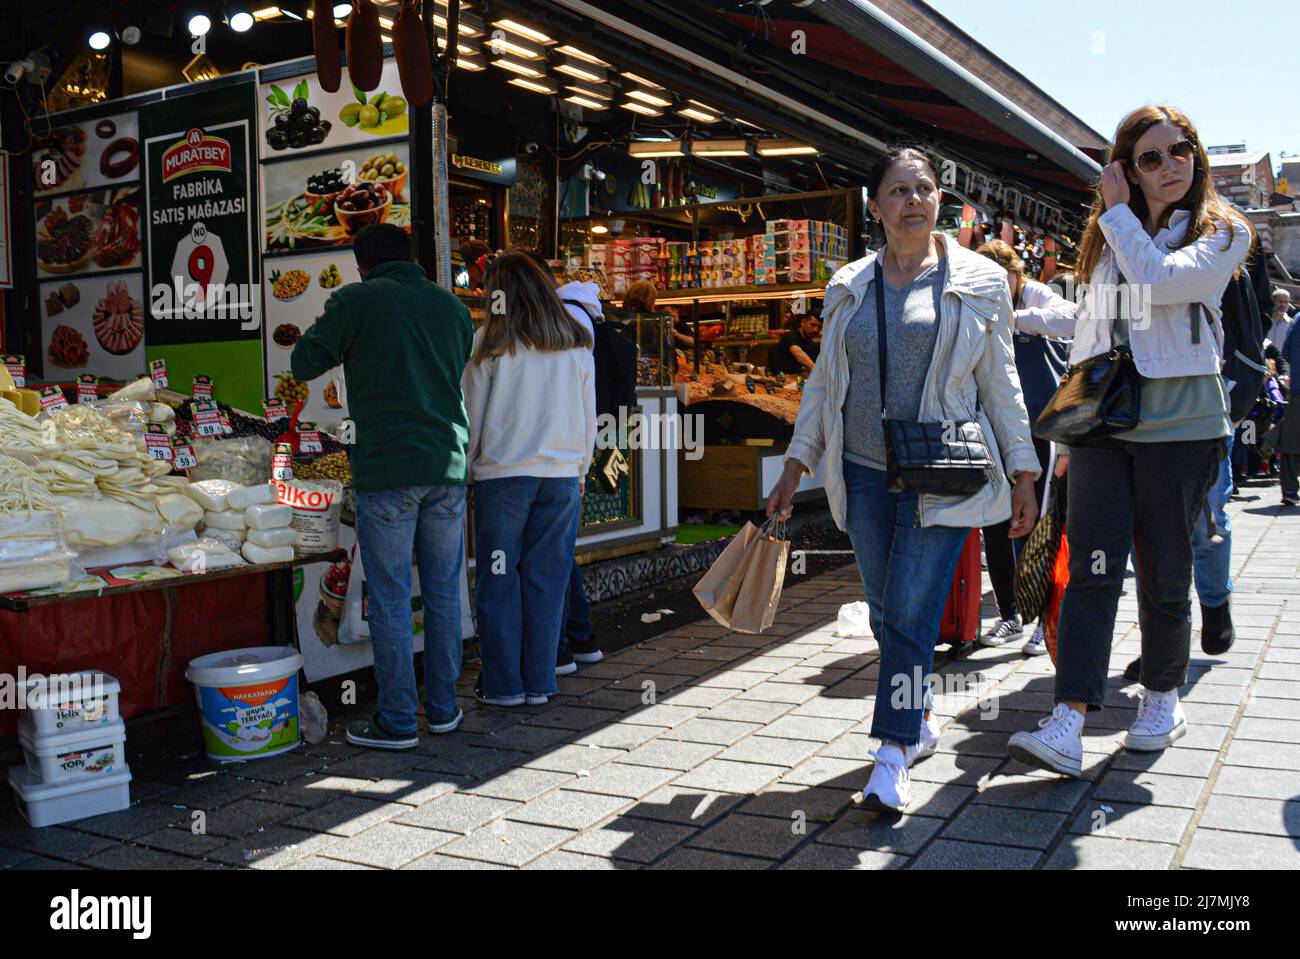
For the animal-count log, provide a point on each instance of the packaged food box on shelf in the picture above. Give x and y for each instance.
(48, 804)
(73, 701)
(89, 753)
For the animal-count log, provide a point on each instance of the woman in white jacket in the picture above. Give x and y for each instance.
(1162, 238)
(531, 399)
(947, 318)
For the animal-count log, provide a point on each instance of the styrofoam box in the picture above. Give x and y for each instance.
(47, 804)
(84, 754)
(50, 708)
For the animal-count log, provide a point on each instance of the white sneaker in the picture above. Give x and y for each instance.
(1004, 630)
(1036, 645)
(928, 744)
(1057, 745)
(1160, 721)
(889, 787)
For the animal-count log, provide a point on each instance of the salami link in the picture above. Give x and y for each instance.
(365, 46)
(325, 38)
(411, 47)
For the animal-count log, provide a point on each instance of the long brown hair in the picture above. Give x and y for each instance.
(1207, 209)
(640, 297)
(523, 307)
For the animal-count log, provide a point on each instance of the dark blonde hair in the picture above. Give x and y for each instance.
(1002, 253)
(1208, 210)
(640, 297)
(523, 307)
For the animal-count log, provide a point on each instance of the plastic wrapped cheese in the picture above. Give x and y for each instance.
(179, 510)
(105, 522)
(261, 554)
(37, 575)
(268, 517)
(224, 520)
(271, 538)
(230, 538)
(263, 494)
(211, 494)
(203, 555)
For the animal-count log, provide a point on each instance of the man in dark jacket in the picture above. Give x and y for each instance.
(403, 343)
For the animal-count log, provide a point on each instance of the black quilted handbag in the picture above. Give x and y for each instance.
(950, 459)
(1098, 397)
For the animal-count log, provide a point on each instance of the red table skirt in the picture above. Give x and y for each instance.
(143, 639)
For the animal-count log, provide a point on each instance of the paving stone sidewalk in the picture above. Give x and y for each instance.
(703, 748)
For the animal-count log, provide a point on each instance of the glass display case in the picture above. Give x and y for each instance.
(653, 335)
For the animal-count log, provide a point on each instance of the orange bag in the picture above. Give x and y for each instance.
(1060, 580)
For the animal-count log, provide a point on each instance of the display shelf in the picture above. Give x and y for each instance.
(723, 294)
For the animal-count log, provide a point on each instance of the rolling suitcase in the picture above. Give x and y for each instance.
(960, 625)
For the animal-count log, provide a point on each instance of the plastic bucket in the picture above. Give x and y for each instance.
(248, 699)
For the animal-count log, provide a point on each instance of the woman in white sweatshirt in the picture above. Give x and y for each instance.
(530, 394)
(1160, 234)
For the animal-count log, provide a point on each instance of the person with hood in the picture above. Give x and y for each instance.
(935, 319)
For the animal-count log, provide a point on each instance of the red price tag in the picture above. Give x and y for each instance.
(282, 462)
(207, 419)
(87, 388)
(17, 367)
(158, 373)
(157, 442)
(309, 438)
(274, 408)
(52, 399)
(183, 457)
(202, 389)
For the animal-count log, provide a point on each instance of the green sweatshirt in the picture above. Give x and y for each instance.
(403, 343)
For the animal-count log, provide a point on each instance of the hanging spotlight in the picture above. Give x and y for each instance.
(776, 147)
(720, 148)
(539, 85)
(341, 10)
(238, 17)
(199, 24)
(131, 35)
(99, 40)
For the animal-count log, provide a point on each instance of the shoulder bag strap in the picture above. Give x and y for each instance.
(882, 347)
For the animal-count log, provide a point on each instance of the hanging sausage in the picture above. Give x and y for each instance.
(325, 37)
(411, 47)
(365, 46)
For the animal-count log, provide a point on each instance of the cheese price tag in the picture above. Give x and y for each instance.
(183, 457)
(207, 419)
(158, 373)
(274, 408)
(52, 399)
(87, 388)
(282, 462)
(309, 438)
(202, 388)
(17, 367)
(226, 426)
(157, 442)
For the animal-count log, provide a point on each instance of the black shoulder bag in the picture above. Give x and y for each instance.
(947, 458)
(1096, 398)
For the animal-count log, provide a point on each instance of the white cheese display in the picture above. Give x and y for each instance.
(231, 538)
(261, 554)
(263, 494)
(211, 494)
(275, 516)
(203, 555)
(224, 520)
(271, 538)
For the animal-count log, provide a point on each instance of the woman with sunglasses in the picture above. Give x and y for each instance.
(1162, 237)
(531, 399)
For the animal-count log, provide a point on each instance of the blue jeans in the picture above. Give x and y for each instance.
(576, 624)
(907, 573)
(525, 531)
(427, 522)
(1213, 561)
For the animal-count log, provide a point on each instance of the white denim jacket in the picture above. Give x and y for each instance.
(1168, 332)
(972, 355)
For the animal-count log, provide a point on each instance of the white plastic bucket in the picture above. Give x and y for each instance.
(68, 702)
(46, 804)
(89, 753)
(248, 699)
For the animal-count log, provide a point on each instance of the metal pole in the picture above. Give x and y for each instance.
(428, 140)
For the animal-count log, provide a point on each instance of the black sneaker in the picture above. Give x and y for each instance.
(564, 664)
(1217, 633)
(368, 733)
(1291, 500)
(587, 652)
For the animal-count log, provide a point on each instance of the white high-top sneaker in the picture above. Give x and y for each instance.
(890, 787)
(1056, 745)
(1160, 721)
(928, 744)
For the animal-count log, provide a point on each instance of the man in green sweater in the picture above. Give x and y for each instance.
(403, 343)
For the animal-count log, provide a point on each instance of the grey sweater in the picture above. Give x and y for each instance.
(911, 324)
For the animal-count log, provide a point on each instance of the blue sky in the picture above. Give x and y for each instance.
(1236, 74)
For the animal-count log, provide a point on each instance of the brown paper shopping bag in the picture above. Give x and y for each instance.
(717, 589)
(764, 575)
